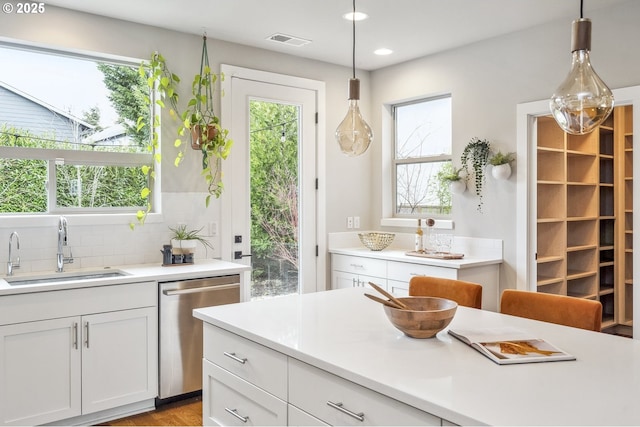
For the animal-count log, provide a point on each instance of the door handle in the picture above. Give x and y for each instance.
(239, 255)
(86, 327)
(75, 335)
(170, 292)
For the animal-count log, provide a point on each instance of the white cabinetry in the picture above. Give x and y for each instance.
(351, 271)
(39, 372)
(245, 383)
(395, 275)
(242, 380)
(341, 402)
(61, 362)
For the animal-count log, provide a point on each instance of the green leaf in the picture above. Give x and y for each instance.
(144, 193)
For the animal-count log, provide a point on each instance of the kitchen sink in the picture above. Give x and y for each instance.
(64, 277)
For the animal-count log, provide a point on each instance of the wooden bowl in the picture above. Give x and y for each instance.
(425, 317)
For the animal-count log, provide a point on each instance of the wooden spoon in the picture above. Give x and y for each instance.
(383, 301)
(388, 295)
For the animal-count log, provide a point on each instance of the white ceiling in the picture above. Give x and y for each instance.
(411, 28)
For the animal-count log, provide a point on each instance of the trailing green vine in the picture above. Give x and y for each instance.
(476, 156)
(162, 85)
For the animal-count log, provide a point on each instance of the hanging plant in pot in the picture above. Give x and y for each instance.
(207, 135)
(476, 156)
(501, 163)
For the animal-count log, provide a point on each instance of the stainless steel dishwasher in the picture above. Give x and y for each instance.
(180, 334)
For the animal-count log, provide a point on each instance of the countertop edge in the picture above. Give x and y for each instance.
(133, 274)
(399, 255)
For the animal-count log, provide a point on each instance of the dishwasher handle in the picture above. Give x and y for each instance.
(170, 292)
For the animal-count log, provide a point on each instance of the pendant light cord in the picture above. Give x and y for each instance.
(581, 6)
(353, 50)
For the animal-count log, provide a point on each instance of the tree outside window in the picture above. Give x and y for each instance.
(422, 157)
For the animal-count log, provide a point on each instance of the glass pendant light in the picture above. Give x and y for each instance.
(583, 101)
(354, 134)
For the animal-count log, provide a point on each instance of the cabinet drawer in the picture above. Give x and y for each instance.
(366, 406)
(231, 401)
(250, 361)
(359, 265)
(297, 417)
(404, 271)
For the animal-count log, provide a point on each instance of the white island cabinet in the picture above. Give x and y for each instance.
(82, 351)
(333, 358)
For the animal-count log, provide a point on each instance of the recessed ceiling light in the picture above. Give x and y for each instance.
(383, 51)
(358, 16)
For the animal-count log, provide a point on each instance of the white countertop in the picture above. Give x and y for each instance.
(400, 255)
(346, 334)
(132, 274)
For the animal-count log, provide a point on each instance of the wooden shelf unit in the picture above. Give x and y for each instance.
(584, 214)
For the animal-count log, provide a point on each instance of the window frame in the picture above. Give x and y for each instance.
(84, 157)
(395, 162)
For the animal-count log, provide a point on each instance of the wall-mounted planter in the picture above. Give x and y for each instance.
(501, 172)
(458, 187)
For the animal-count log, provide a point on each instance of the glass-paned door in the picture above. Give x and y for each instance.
(273, 151)
(273, 186)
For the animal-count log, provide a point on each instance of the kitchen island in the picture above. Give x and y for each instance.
(342, 339)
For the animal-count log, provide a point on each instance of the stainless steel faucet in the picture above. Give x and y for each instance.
(11, 265)
(62, 243)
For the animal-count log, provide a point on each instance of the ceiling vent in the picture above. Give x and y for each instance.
(289, 40)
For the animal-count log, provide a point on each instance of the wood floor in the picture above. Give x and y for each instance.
(186, 412)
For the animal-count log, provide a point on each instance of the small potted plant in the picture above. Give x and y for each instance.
(185, 241)
(501, 165)
(457, 184)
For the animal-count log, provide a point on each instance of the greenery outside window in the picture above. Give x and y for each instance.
(68, 137)
(422, 156)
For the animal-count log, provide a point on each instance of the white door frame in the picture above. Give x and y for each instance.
(227, 246)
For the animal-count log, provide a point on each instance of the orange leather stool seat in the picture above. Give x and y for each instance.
(467, 294)
(560, 309)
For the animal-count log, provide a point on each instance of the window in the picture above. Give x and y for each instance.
(68, 141)
(422, 157)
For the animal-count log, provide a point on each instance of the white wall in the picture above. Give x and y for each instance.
(487, 80)
(183, 188)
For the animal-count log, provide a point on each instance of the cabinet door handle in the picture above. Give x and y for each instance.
(235, 413)
(236, 358)
(86, 336)
(75, 335)
(339, 407)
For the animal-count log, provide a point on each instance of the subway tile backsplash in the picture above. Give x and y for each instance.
(113, 244)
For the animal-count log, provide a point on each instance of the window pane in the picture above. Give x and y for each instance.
(423, 128)
(420, 188)
(77, 104)
(23, 186)
(82, 186)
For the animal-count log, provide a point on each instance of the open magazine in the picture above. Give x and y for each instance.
(510, 345)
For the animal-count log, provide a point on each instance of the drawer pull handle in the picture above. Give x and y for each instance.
(357, 265)
(235, 413)
(236, 358)
(339, 407)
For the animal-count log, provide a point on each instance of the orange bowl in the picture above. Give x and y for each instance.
(425, 316)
